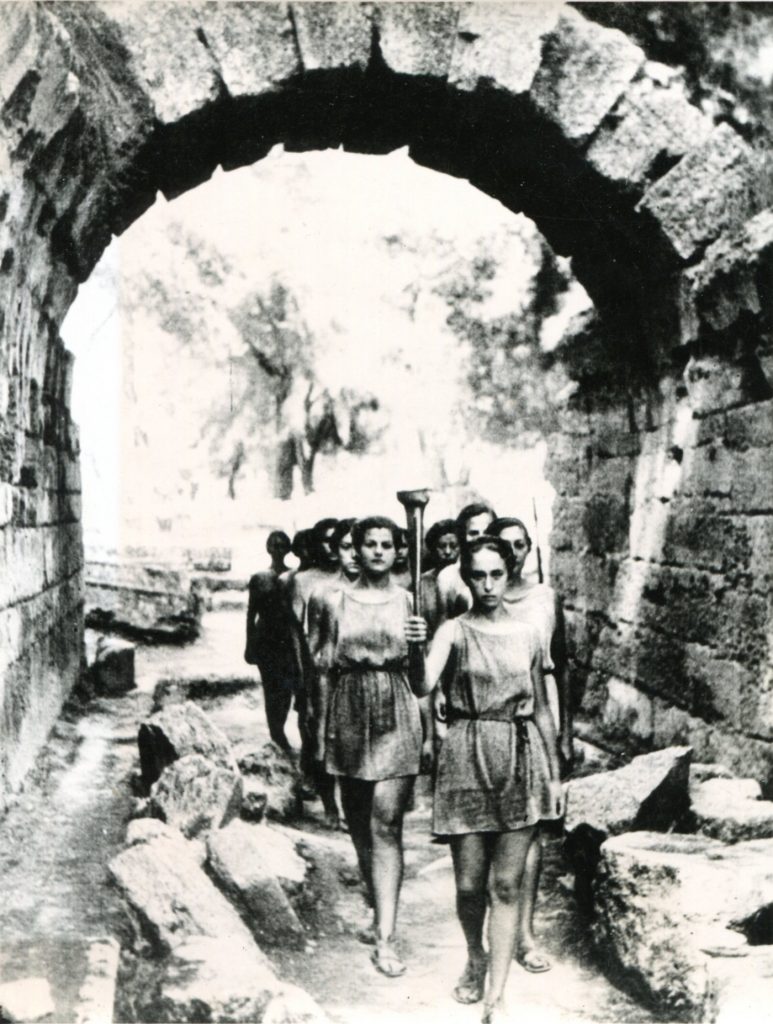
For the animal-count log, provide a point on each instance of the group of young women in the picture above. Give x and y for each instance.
(496, 638)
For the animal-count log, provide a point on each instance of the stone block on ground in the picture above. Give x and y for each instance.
(173, 733)
(215, 980)
(258, 868)
(96, 996)
(292, 1005)
(27, 999)
(143, 830)
(196, 794)
(732, 810)
(271, 773)
(670, 913)
(171, 898)
(652, 792)
(112, 672)
(178, 691)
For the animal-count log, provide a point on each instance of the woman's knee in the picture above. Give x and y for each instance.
(470, 887)
(504, 889)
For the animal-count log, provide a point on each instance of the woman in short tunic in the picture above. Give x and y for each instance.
(368, 723)
(498, 771)
(537, 604)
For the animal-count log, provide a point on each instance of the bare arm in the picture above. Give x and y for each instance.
(558, 654)
(543, 717)
(252, 612)
(437, 658)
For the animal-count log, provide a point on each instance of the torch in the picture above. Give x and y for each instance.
(414, 503)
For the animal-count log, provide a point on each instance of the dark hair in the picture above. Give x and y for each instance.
(485, 543)
(438, 530)
(361, 527)
(321, 527)
(343, 527)
(301, 543)
(477, 508)
(275, 536)
(499, 525)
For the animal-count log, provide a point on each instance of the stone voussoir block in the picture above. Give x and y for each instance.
(333, 35)
(584, 70)
(649, 123)
(254, 45)
(731, 279)
(500, 44)
(417, 38)
(713, 189)
(178, 79)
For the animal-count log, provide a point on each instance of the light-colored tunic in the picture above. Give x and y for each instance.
(493, 769)
(373, 728)
(536, 605)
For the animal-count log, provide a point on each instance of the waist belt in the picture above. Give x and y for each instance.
(468, 716)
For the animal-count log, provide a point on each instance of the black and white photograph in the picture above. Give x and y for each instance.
(386, 512)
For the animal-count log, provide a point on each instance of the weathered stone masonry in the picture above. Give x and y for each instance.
(663, 529)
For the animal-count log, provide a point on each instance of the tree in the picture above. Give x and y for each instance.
(293, 415)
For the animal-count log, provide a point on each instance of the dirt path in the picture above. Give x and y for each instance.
(71, 819)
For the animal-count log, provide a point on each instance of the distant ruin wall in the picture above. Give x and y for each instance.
(103, 105)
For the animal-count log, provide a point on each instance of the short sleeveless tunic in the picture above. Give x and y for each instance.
(493, 770)
(373, 728)
(536, 606)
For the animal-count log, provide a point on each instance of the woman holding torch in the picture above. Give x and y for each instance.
(367, 718)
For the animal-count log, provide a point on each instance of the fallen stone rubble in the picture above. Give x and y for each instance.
(675, 869)
(204, 892)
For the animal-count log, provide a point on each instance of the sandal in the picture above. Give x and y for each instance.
(385, 959)
(469, 988)
(532, 960)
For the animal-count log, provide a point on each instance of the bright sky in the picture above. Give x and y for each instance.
(318, 221)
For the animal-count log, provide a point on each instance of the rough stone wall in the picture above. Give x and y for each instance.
(104, 104)
(663, 538)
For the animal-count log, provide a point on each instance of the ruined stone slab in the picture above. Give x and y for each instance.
(253, 45)
(254, 865)
(113, 670)
(195, 795)
(175, 69)
(499, 44)
(173, 899)
(666, 912)
(27, 999)
(176, 731)
(417, 38)
(214, 979)
(732, 810)
(271, 775)
(584, 70)
(714, 188)
(651, 791)
(333, 35)
(145, 830)
(650, 123)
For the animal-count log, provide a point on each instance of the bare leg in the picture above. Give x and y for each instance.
(277, 702)
(357, 801)
(471, 854)
(390, 798)
(526, 946)
(505, 877)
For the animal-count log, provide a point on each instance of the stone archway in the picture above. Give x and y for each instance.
(556, 116)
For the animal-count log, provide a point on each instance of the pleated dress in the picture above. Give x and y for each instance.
(373, 728)
(493, 772)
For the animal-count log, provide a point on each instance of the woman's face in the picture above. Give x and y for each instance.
(401, 554)
(347, 556)
(488, 579)
(516, 538)
(447, 549)
(377, 554)
(476, 526)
